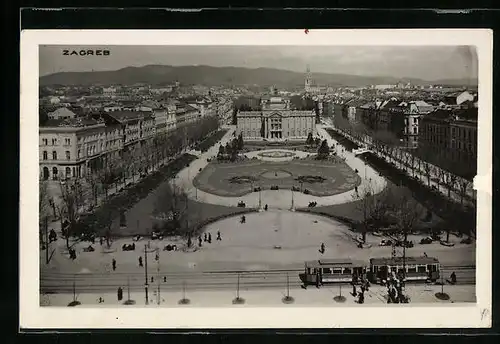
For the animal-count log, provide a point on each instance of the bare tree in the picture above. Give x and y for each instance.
(171, 209)
(442, 175)
(464, 186)
(427, 171)
(407, 213)
(373, 206)
(44, 212)
(71, 200)
(450, 180)
(93, 181)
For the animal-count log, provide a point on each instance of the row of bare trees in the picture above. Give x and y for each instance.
(388, 145)
(146, 156)
(393, 209)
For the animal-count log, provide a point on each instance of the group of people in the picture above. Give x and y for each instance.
(364, 286)
(395, 286)
(207, 237)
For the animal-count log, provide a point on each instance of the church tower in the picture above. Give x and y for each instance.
(308, 81)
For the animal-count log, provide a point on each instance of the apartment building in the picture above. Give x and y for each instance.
(69, 147)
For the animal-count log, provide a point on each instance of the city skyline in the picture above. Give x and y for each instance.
(429, 63)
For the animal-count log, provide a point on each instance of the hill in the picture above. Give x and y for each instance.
(210, 76)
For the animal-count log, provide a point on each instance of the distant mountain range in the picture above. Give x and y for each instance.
(211, 76)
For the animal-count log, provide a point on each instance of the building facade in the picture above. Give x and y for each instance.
(68, 148)
(276, 121)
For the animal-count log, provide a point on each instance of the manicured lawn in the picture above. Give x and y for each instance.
(225, 179)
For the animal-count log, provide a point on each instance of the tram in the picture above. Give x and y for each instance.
(414, 268)
(332, 271)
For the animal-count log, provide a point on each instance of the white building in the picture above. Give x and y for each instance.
(62, 113)
(69, 147)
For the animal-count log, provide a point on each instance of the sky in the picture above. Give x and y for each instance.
(423, 62)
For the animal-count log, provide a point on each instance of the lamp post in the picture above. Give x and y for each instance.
(146, 272)
(260, 198)
(158, 274)
(293, 207)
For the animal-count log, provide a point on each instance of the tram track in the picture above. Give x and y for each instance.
(54, 282)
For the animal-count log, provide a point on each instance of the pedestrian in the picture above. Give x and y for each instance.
(205, 237)
(209, 238)
(100, 240)
(140, 261)
(114, 264)
(265, 207)
(453, 277)
(322, 248)
(218, 236)
(354, 293)
(120, 293)
(425, 254)
(199, 241)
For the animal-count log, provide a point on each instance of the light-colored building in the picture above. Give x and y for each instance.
(136, 126)
(69, 147)
(62, 113)
(276, 121)
(164, 117)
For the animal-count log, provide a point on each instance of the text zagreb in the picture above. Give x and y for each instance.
(87, 52)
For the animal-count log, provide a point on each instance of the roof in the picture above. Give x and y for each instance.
(407, 261)
(469, 114)
(439, 114)
(123, 116)
(369, 105)
(190, 108)
(63, 111)
(334, 263)
(390, 104)
(421, 103)
(355, 103)
(72, 122)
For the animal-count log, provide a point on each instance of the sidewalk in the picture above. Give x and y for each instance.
(312, 297)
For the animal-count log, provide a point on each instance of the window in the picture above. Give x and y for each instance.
(79, 154)
(68, 155)
(67, 142)
(415, 120)
(45, 142)
(54, 142)
(45, 155)
(54, 155)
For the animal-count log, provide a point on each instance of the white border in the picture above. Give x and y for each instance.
(455, 316)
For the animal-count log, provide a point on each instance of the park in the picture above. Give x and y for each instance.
(292, 203)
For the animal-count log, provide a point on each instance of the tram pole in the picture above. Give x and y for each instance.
(287, 286)
(74, 288)
(128, 288)
(146, 272)
(238, 287)
(46, 228)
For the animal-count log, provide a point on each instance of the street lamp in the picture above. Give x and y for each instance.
(146, 285)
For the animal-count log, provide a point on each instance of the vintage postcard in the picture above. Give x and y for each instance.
(248, 179)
